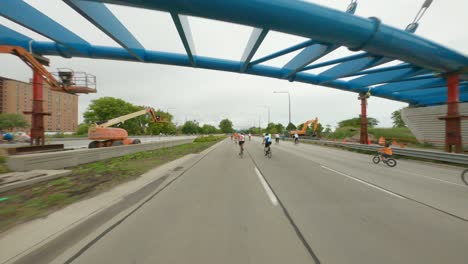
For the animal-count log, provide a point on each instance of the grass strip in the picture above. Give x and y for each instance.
(41, 199)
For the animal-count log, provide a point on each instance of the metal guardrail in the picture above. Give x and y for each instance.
(415, 153)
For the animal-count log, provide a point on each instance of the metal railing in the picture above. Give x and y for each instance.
(408, 152)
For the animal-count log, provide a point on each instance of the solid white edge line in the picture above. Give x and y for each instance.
(269, 192)
(366, 183)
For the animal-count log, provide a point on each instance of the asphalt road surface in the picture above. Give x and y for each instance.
(307, 204)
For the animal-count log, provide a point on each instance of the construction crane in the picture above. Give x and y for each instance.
(67, 84)
(303, 131)
(103, 135)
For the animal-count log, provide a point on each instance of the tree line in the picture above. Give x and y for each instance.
(106, 108)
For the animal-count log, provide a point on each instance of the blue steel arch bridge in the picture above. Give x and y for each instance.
(427, 73)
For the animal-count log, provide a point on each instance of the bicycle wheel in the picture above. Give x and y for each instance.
(376, 159)
(391, 162)
(269, 154)
(464, 176)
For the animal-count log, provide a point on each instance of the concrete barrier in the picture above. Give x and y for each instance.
(65, 159)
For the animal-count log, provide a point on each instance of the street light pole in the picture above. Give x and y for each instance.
(289, 102)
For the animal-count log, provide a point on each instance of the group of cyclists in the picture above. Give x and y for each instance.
(239, 138)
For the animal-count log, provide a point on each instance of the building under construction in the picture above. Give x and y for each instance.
(16, 97)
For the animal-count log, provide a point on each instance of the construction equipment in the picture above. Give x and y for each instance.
(303, 131)
(40, 73)
(106, 136)
(68, 81)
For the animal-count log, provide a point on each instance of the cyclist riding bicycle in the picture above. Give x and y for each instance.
(241, 143)
(296, 138)
(386, 151)
(268, 141)
(277, 138)
(250, 136)
(235, 138)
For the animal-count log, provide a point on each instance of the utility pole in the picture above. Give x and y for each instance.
(289, 100)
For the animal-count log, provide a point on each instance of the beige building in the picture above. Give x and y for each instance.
(16, 97)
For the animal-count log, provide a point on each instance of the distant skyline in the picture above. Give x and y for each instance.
(210, 96)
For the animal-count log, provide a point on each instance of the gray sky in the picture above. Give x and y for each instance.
(209, 96)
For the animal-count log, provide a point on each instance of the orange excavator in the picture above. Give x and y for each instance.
(303, 131)
(103, 135)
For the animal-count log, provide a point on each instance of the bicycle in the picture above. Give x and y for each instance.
(268, 152)
(464, 176)
(241, 153)
(296, 141)
(389, 161)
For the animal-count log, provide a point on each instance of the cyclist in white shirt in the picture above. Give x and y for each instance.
(277, 138)
(241, 143)
(296, 138)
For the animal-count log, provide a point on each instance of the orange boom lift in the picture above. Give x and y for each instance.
(106, 136)
(68, 84)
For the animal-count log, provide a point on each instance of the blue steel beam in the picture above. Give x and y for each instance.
(336, 61)
(336, 27)
(10, 36)
(408, 85)
(284, 51)
(256, 38)
(183, 27)
(306, 57)
(353, 66)
(115, 53)
(383, 69)
(384, 77)
(431, 92)
(437, 100)
(313, 53)
(29, 17)
(100, 16)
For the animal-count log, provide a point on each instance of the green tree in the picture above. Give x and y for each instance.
(254, 131)
(327, 130)
(164, 127)
(82, 129)
(190, 127)
(10, 121)
(397, 120)
(280, 128)
(106, 108)
(226, 126)
(271, 128)
(356, 122)
(208, 129)
(290, 127)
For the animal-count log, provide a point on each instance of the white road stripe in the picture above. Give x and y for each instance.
(269, 192)
(434, 179)
(366, 183)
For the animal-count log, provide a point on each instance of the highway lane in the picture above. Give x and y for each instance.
(356, 222)
(433, 184)
(217, 212)
(324, 203)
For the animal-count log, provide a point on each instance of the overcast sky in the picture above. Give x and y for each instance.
(209, 96)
